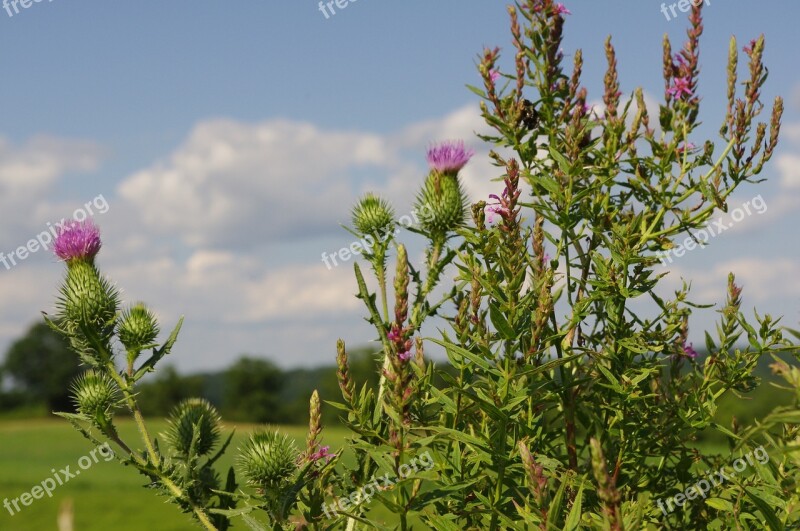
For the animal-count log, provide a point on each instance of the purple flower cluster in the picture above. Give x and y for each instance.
(77, 240)
(679, 87)
(689, 351)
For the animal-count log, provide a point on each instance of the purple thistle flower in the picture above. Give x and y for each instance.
(680, 86)
(561, 9)
(449, 156)
(77, 240)
(322, 453)
(689, 351)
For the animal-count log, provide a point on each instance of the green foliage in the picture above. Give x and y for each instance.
(41, 367)
(159, 395)
(251, 390)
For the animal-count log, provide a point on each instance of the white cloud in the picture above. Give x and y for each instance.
(231, 183)
(788, 166)
(36, 164)
(27, 174)
(222, 287)
(763, 279)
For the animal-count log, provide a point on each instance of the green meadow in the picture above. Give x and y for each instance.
(105, 496)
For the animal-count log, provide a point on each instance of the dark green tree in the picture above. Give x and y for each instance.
(42, 366)
(160, 395)
(252, 389)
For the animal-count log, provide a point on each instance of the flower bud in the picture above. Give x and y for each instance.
(138, 328)
(445, 200)
(95, 395)
(373, 215)
(191, 413)
(268, 460)
(88, 299)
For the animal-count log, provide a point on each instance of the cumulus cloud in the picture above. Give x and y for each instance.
(231, 183)
(36, 164)
(212, 285)
(28, 172)
(765, 280)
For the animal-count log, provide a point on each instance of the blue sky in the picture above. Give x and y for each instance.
(230, 140)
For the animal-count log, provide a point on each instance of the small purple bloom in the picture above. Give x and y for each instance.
(393, 335)
(684, 147)
(322, 453)
(689, 351)
(77, 240)
(449, 156)
(494, 75)
(404, 356)
(561, 9)
(680, 86)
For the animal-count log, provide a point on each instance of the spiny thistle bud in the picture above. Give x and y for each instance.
(191, 413)
(268, 460)
(373, 215)
(88, 299)
(95, 394)
(442, 192)
(137, 328)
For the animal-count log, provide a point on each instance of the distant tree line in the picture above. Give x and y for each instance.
(38, 370)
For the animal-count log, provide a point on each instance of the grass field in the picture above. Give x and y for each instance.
(105, 496)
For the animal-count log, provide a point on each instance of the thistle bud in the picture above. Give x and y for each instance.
(268, 460)
(88, 299)
(95, 395)
(442, 193)
(137, 329)
(191, 414)
(373, 215)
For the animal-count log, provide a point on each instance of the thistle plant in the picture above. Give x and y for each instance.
(181, 465)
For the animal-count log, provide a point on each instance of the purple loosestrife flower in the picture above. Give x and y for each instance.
(494, 75)
(449, 156)
(404, 356)
(679, 87)
(689, 351)
(77, 240)
(561, 9)
(393, 335)
(322, 453)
